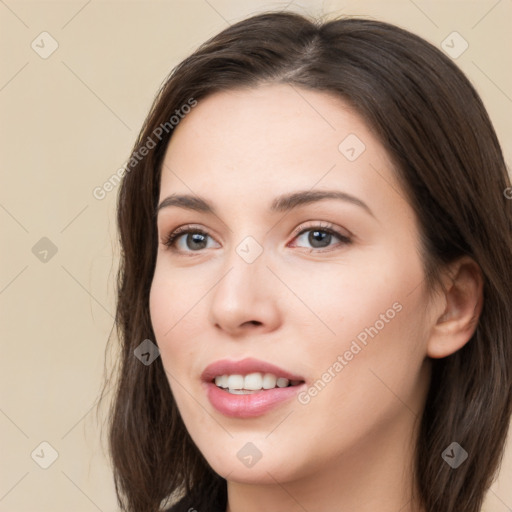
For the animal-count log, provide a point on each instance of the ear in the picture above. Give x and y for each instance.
(463, 296)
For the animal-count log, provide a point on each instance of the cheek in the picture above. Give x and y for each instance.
(172, 315)
(376, 359)
(369, 377)
(341, 300)
(373, 341)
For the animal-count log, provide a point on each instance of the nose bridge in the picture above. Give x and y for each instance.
(245, 269)
(244, 293)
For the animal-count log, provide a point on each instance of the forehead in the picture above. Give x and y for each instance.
(266, 140)
(272, 121)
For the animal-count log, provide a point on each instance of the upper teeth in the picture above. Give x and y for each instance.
(252, 381)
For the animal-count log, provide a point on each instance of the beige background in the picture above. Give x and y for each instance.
(68, 123)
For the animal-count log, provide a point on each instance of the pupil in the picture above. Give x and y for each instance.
(197, 238)
(319, 236)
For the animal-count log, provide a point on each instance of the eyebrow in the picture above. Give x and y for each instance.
(283, 203)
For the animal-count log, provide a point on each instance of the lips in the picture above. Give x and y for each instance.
(244, 406)
(244, 367)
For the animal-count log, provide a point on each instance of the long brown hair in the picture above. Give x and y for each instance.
(435, 128)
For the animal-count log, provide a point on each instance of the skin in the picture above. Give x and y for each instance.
(300, 306)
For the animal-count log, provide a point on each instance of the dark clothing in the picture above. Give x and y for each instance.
(187, 505)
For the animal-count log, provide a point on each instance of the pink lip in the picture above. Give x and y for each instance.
(243, 367)
(250, 405)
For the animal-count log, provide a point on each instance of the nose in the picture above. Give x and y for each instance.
(246, 297)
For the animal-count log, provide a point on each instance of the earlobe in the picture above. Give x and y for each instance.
(463, 295)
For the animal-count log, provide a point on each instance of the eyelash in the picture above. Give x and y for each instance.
(170, 240)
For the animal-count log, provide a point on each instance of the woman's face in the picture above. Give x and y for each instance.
(330, 291)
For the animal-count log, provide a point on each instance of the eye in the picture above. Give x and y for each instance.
(321, 236)
(189, 239)
(194, 239)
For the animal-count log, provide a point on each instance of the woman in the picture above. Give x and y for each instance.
(316, 236)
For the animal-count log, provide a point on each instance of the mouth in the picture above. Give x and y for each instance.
(238, 384)
(248, 388)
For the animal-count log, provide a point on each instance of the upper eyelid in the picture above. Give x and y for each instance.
(302, 226)
(328, 226)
